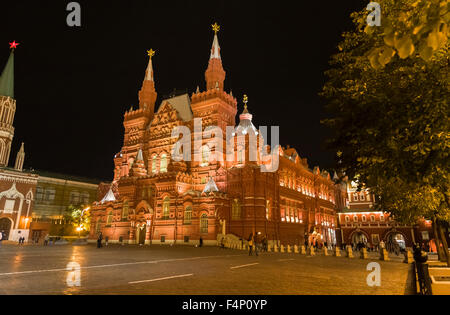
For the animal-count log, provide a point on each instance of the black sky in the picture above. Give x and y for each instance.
(73, 85)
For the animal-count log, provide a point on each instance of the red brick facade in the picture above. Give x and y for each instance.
(160, 199)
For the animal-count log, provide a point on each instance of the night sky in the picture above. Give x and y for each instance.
(73, 85)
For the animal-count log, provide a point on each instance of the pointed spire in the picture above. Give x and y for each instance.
(215, 50)
(149, 72)
(20, 158)
(140, 156)
(215, 74)
(7, 78)
(148, 95)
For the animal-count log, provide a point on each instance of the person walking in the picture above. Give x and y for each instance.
(201, 242)
(106, 240)
(46, 240)
(250, 246)
(222, 243)
(99, 240)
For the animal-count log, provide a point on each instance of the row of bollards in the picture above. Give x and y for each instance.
(348, 252)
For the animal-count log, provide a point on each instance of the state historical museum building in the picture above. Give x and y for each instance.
(155, 199)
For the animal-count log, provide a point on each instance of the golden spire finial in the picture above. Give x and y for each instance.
(216, 28)
(245, 101)
(151, 53)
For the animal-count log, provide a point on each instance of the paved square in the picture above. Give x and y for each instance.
(183, 270)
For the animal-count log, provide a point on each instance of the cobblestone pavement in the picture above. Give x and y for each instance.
(190, 271)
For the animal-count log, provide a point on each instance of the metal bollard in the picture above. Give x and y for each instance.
(349, 252)
(303, 252)
(337, 253)
(364, 254)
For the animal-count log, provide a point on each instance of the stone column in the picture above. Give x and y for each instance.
(132, 239)
(147, 234)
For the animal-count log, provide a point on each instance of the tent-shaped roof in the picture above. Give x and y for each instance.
(182, 104)
(211, 186)
(109, 197)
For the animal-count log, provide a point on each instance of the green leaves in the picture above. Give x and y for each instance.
(389, 114)
(413, 28)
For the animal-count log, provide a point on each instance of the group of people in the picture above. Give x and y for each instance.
(257, 244)
(100, 239)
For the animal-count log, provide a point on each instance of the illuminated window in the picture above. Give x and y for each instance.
(267, 209)
(188, 215)
(206, 155)
(204, 224)
(166, 208)
(236, 210)
(125, 210)
(50, 194)
(154, 164)
(241, 153)
(9, 206)
(74, 197)
(97, 226)
(109, 219)
(163, 164)
(85, 198)
(39, 193)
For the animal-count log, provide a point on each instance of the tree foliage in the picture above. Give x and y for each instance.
(409, 28)
(390, 113)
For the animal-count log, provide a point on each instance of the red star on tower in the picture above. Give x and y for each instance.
(13, 45)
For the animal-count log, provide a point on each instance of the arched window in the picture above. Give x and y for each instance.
(355, 197)
(236, 210)
(109, 218)
(364, 219)
(163, 165)
(382, 218)
(347, 219)
(188, 215)
(166, 208)
(362, 197)
(204, 224)
(154, 171)
(206, 155)
(125, 210)
(372, 218)
(355, 218)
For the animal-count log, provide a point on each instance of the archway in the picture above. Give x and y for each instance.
(358, 238)
(141, 230)
(395, 242)
(5, 227)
